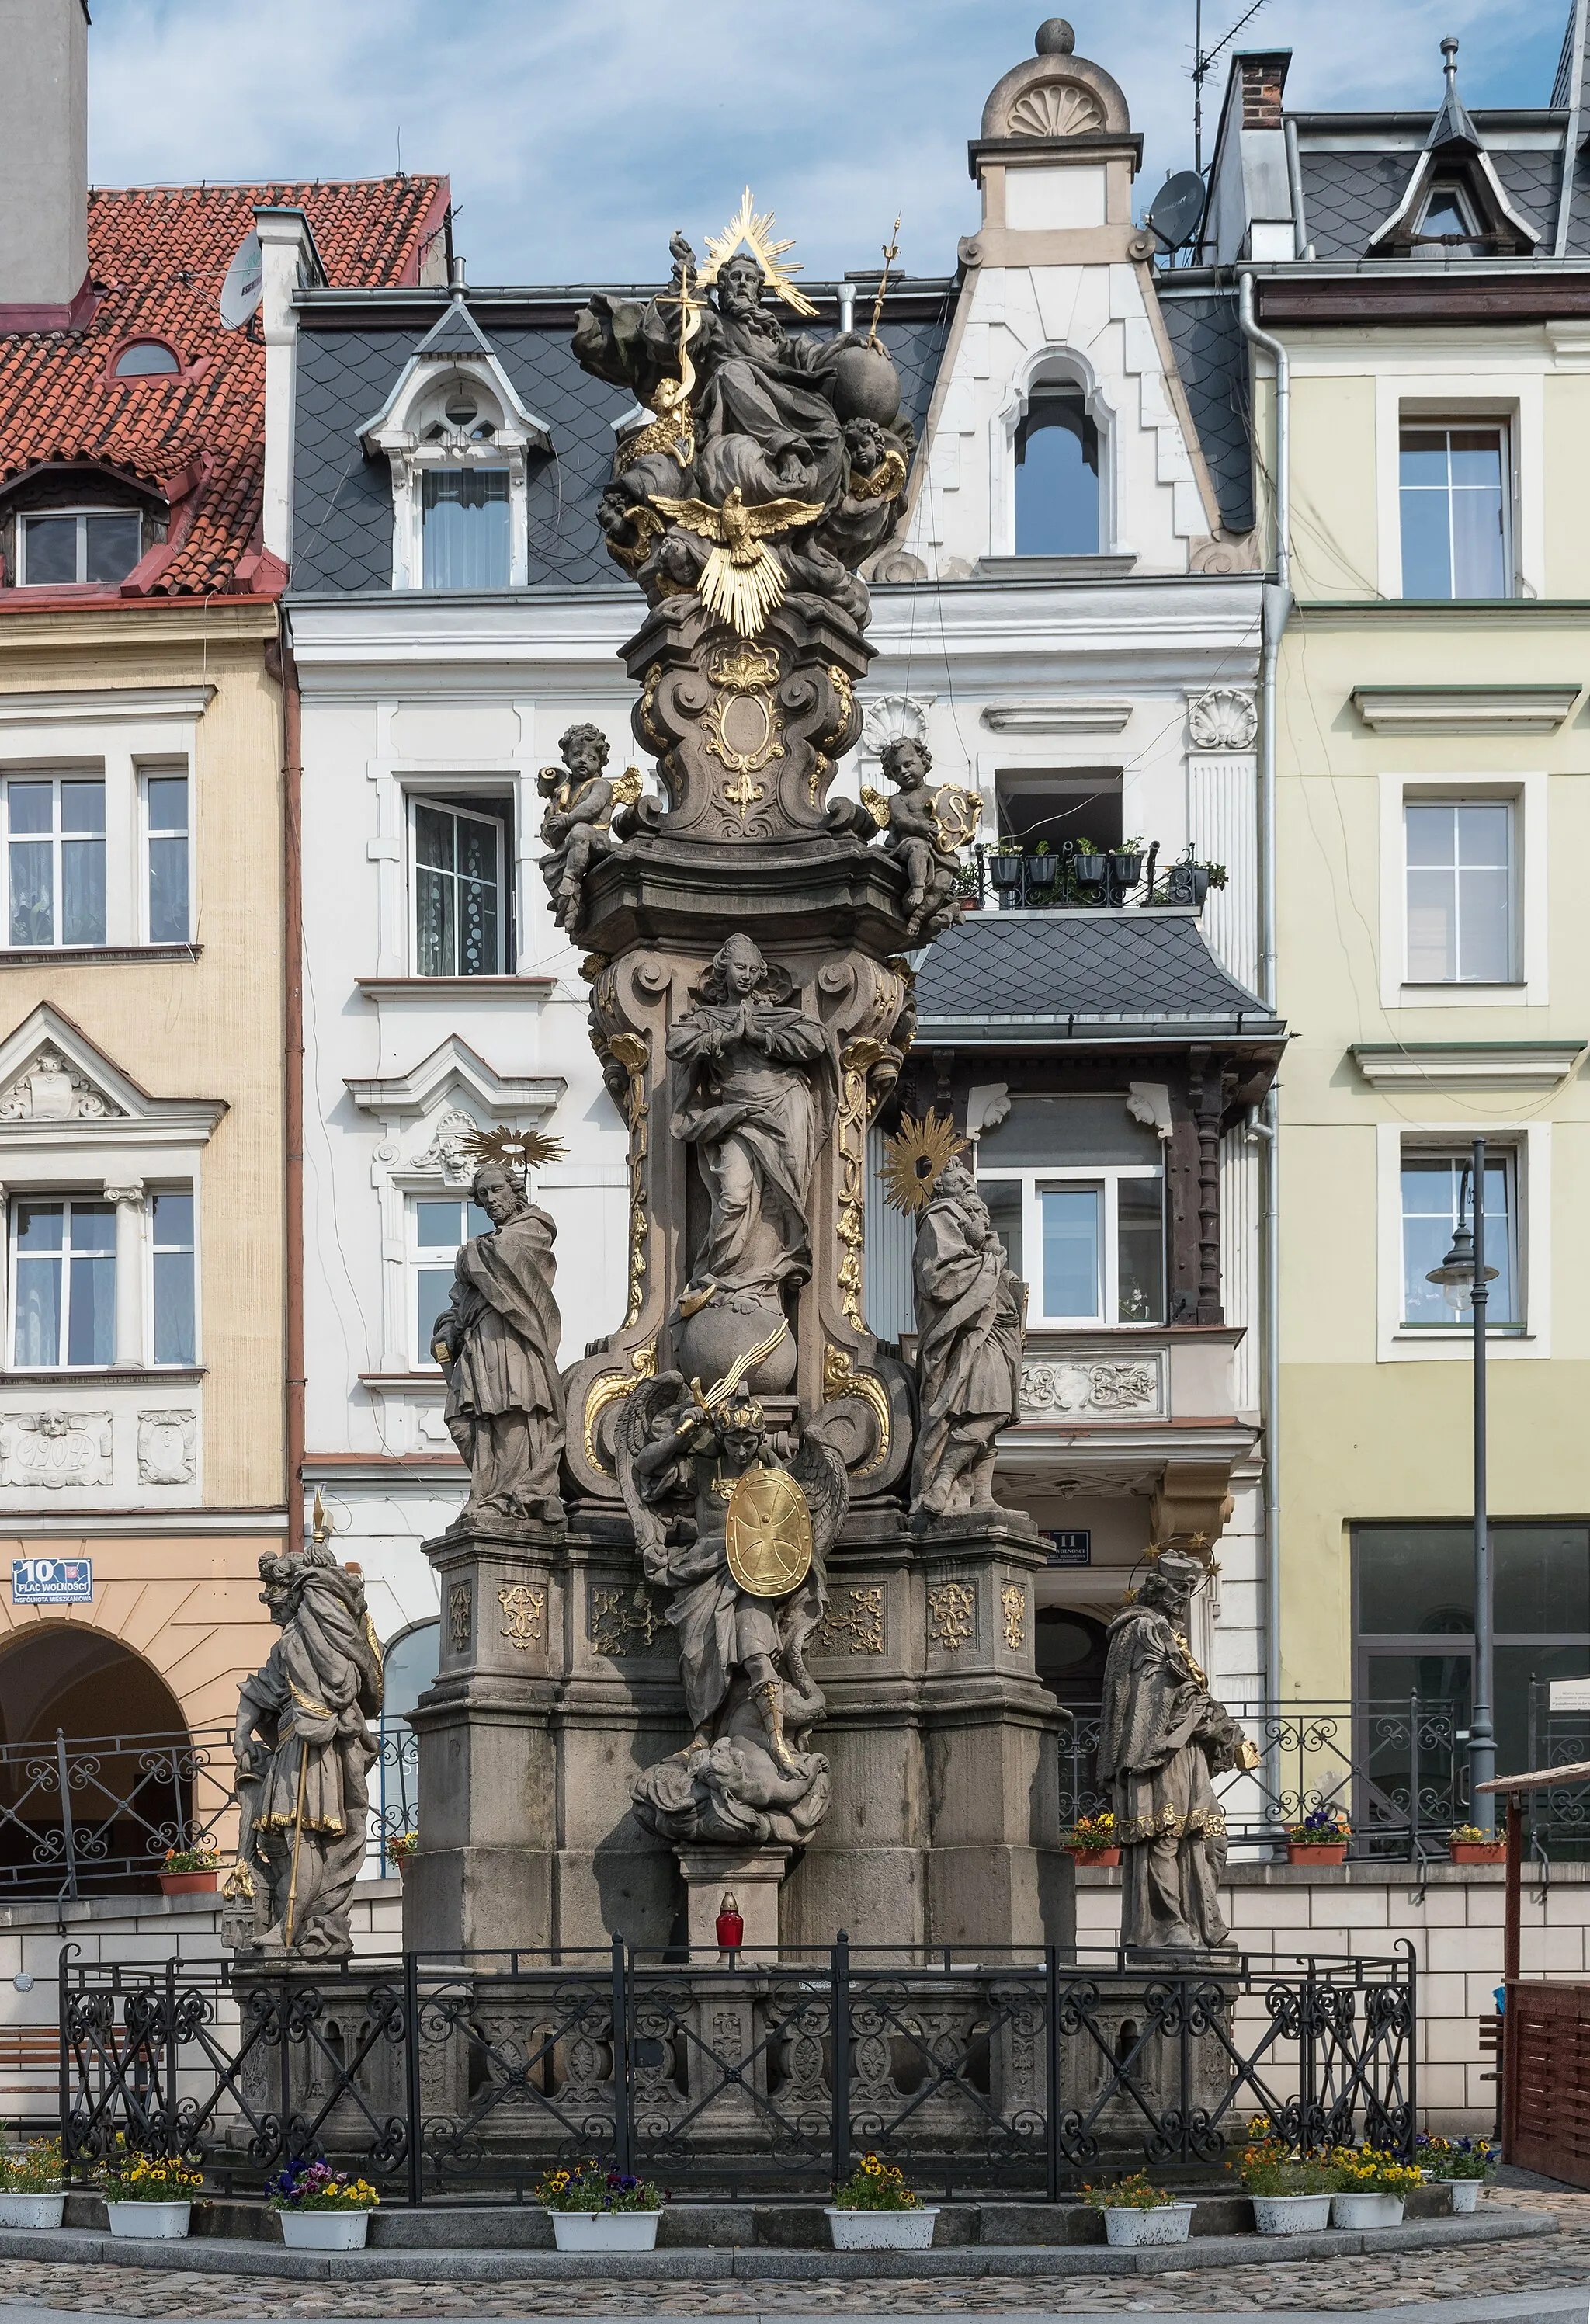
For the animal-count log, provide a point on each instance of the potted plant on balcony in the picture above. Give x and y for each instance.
(1126, 865)
(189, 1871)
(1371, 2187)
(594, 2209)
(875, 2211)
(1089, 863)
(320, 2208)
(1004, 869)
(1467, 1844)
(30, 2191)
(1134, 2212)
(1290, 2192)
(400, 1847)
(1093, 1839)
(1461, 2166)
(1042, 869)
(1321, 1838)
(149, 2195)
(967, 887)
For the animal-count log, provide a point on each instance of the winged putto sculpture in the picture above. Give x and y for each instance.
(735, 1521)
(765, 459)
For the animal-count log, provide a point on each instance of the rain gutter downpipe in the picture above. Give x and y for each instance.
(1276, 606)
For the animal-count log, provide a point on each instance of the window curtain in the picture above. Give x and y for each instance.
(465, 519)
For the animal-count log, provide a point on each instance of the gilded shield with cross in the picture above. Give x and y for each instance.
(769, 1532)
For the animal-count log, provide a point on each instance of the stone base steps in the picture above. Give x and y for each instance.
(447, 2245)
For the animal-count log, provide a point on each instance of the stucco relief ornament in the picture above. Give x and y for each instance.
(1224, 718)
(49, 1089)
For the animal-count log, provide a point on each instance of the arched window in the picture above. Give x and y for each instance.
(147, 359)
(1057, 476)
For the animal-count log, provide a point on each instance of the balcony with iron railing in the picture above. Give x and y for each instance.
(1077, 876)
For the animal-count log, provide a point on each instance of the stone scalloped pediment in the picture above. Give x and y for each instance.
(1056, 94)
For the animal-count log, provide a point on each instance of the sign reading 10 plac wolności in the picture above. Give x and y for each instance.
(51, 1581)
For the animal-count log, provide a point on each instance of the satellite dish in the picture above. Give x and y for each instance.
(240, 293)
(1177, 208)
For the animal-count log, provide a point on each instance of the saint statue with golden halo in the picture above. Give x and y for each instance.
(735, 1521)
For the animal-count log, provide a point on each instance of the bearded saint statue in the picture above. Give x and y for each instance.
(1163, 1737)
(497, 1344)
(971, 1318)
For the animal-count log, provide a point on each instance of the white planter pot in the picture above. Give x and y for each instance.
(32, 2210)
(166, 2221)
(1465, 2192)
(1168, 2223)
(324, 2230)
(881, 2230)
(1366, 2210)
(605, 2231)
(1290, 2215)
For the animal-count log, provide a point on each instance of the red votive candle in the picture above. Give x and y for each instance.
(731, 1926)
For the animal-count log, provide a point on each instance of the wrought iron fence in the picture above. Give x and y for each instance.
(441, 2075)
(1076, 876)
(96, 1815)
(1398, 1770)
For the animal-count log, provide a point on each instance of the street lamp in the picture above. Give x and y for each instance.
(1464, 1277)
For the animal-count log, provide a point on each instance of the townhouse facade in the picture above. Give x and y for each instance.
(145, 1406)
(1423, 280)
(1070, 623)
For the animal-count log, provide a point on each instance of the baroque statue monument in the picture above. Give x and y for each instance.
(303, 1753)
(694, 1633)
(1161, 1738)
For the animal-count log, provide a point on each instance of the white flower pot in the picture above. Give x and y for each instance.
(1465, 2192)
(168, 2222)
(1290, 2215)
(32, 2210)
(1366, 2210)
(910, 2230)
(324, 2230)
(1167, 2223)
(605, 2231)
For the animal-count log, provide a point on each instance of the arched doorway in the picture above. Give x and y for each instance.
(130, 1765)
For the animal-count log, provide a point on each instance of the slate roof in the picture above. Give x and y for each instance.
(157, 258)
(349, 357)
(1348, 195)
(1006, 977)
(1207, 342)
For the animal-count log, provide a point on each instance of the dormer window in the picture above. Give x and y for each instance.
(459, 440)
(147, 359)
(70, 546)
(1447, 224)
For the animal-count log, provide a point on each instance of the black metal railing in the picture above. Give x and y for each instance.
(1398, 1770)
(1076, 876)
(437, 2076)
(96, 1814)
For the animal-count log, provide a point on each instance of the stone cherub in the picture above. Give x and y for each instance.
(914, 832)
(1162, 1737)
(497, 1344)
(745, 1573)
(970, 1320)
(576, 828)
(304, 1752)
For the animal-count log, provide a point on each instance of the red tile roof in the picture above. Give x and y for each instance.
(157, 258)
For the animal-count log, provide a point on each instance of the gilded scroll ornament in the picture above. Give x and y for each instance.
(610, 1387)
(855, 1063)
(1013, 1606)
(632, 1051)
(613, 1624)
(745, 677)
(858, 1629)
(651, 733)
(523, 1610)
(841, 1378)
(951, 1615)
(460, 1615)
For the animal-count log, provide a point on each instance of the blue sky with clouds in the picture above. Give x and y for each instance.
(578, 132)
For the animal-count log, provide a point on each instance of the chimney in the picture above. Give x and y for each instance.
(43, 162)
(1264, 76)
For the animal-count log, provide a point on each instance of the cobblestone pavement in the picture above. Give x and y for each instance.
(1472, 2272)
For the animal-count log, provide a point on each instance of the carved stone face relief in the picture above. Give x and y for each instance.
(49, 1089)
(55, 1450)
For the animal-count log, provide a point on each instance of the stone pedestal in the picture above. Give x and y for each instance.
(752, 1877)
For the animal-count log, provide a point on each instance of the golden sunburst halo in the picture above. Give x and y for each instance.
(914, 1156)
(746, 229)
(516, 1150)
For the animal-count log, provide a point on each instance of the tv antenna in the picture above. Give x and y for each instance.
(1202, 59)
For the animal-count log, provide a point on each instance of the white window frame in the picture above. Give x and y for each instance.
(142, 1282)
(1058, 369)
(173, 1186)
(1530, 1143)
(1419, 797)
(1529, 795)
(1106, 1176)
(66, 1197)
(57, 836)
(80, 512)
(1447, 424)
(156, 773)
(1465, 391)
(453, 799)
(418, 1259)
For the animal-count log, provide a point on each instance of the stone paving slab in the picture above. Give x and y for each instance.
(219, 2255)
(1530, 2307)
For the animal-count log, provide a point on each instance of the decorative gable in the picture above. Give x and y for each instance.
(1454, 202)
(59, 1089)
